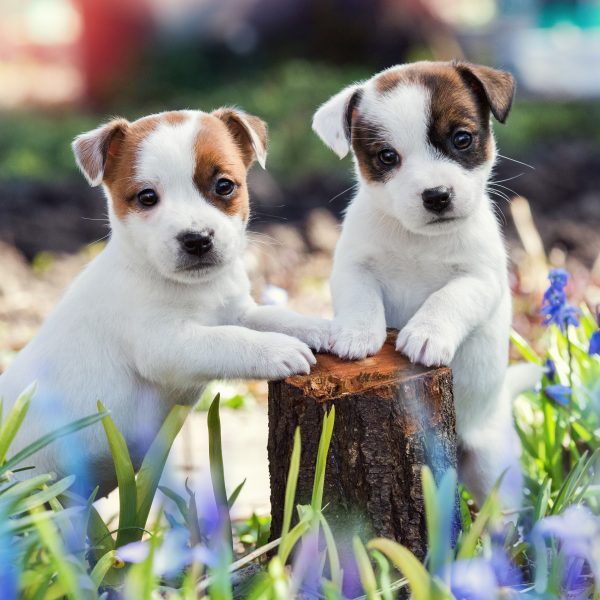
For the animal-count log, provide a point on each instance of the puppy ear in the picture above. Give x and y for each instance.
(249, 132)
(94, 149)
(497, 87)
(333, 120)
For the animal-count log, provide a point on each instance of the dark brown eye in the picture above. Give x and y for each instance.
(224, 187)
(462, 140)
(388, 157)
(147, 197)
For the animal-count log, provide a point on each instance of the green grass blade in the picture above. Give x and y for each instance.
(365, 569)
(217, 472)
(47, 494)
(332, 552)
(405, 561)
(490, 509)
(290, 486)
(291, 539)
(101, 541)
(155, 459)
(49, 438)
(385, 581)
(14, 420)
(319, 482)
(527, 352)
(102, 567)
(234, 495)
(178, 500)
(128, 529)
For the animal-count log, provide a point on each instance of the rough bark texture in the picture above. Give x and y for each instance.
(392, 417)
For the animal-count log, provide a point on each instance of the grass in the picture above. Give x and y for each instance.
(54, 545)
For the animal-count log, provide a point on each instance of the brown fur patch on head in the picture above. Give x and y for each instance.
(219, 154)
(119, 174)
(461, 98)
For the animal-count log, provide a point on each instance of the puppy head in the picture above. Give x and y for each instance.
(421, 138)
(176, 185)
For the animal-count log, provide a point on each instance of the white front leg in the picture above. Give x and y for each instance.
(313, 331)
(358, 328)
(434, 333)
(185, 353)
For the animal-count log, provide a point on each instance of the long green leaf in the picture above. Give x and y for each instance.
(332, 552)
(324, 441)
(47, 494)
(290, 486)
(102, 567)
(405, 561)
(49, 438)
(527, 352)
(128, 529)
(155, 459)
(14, 420)
(217, 471)
(234, 495)
(365, 570)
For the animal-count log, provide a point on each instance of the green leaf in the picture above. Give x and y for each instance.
(324, 441)
(490, 509)
(101, 541)
(128, 529)
(332, 552)
(365, 570)
(217, 471)
(178, 500)
(407, 563)
(47, 494)
(14, 420)
(155, 459)
(291, 539)
(290, 486)
(102, 567)
(234, 495)
(49, 438)
(527, 352)
(385, 582)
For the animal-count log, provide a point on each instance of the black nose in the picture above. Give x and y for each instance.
(197, 242)
(437, 199)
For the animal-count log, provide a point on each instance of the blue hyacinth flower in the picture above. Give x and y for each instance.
(561, 394)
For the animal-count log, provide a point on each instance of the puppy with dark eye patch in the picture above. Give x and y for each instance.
(421, 250)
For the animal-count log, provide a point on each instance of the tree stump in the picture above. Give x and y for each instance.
(392, 417)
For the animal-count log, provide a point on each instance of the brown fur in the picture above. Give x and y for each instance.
(119, 171)
(219, 153)
(462, 96)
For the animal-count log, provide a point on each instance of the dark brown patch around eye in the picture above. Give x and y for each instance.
(219, 155)
(368, 140)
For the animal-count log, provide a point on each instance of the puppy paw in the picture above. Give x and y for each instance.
(425, 345)
(281, 356)
(355, 344)
(313, 331)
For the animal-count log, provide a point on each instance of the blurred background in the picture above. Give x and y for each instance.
(66, 65)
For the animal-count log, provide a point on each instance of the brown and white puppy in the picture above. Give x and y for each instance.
(421, 250)
(166, 306)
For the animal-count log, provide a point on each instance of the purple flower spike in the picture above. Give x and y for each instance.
(594, 344)
(561, 394)
(550, 369)
(558, 277)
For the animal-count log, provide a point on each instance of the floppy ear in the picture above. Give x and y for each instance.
(249, 132)
(93, 149)
(333, 120)
(497, 87)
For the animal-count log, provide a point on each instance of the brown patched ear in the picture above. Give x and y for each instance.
(497, 87)
(94, 149)
(249, 132)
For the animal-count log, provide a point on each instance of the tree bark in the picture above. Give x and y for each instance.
(392, 417)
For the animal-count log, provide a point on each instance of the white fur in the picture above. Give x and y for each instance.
(443, 285)
(137, 334)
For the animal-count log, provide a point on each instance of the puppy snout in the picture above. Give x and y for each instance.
(197, 243)
(438, 199)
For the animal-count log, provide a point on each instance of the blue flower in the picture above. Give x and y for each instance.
(555, 307)
(550, 369)
(473, 579)
(561, 394)
(594, 343)
(578, 531)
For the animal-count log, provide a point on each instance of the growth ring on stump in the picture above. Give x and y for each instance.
(391, 418)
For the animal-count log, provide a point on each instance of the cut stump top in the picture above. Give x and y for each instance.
(332, 377)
